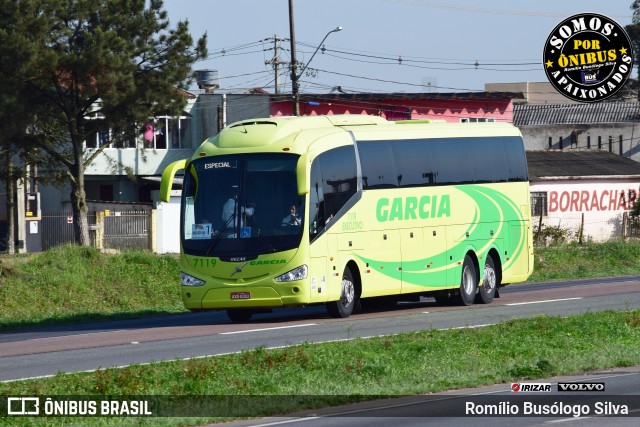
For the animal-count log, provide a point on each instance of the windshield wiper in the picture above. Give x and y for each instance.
(218, 236)
(267, 243)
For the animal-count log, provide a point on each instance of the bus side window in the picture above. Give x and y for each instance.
(378, 165)
(339, 178)
(333, 183)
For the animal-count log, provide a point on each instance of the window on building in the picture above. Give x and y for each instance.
(162, 133)
(391, 112)
(168, 132)
(539, 203)
(99, 135)
(106, 193)
(477, 120)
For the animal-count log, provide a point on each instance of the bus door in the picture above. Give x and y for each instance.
(335, 266)
(516, 256)
(413, 260)
(319, 270)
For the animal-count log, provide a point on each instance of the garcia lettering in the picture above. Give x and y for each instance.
(402, 209)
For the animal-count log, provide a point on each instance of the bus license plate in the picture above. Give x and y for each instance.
(240, 295)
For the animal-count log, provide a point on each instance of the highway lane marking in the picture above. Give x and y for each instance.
(481, 325)
(540, 302)
(567, 420)
(289, 421)
(268, 329)
(69, 335)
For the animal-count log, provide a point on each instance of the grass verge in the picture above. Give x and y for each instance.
(573, 261)
(335, 373)
(70, 284)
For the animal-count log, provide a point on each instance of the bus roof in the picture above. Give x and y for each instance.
(295, 134)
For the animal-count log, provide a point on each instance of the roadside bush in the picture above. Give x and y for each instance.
(550, 235)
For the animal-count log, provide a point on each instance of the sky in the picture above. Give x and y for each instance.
(385, 46)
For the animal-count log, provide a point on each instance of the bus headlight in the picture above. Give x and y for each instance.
(295, 274)
(187, 280)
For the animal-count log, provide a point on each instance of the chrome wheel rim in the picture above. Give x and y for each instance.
(348, 292)
(467, 281)
(489, 281)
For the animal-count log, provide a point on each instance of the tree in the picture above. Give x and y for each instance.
(114, 59)
(19, 113)
(633, 30)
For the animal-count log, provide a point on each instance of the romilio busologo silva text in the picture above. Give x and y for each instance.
(588, 57)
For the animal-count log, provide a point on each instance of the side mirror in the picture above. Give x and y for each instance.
(302, 175)
(167, 178)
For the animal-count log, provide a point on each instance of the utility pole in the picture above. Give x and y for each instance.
(294, 71)
(276, 62)
(295, 85)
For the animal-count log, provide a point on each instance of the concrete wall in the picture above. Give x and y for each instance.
(209, 111)
(167, 228)
(601, 201)
(449, 110)
(618, 138)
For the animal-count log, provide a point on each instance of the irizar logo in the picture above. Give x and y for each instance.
(402, 209)
(530, 387)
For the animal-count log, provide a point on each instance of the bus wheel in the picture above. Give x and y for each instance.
(487, 290)
(344, 306)
(239, 315)
(469, 282)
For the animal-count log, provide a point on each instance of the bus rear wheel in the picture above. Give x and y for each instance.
(468, 283)
(348, 297)
(487, 290)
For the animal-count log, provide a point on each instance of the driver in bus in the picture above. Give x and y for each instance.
(293, 218)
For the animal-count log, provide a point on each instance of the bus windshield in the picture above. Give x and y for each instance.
(241, 205)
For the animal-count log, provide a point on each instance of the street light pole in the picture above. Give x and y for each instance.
(295, 76)
(335, 30)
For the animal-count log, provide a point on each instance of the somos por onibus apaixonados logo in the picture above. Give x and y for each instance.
(588, 57)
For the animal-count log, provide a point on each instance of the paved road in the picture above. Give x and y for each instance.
(44, 352)
(456, 409)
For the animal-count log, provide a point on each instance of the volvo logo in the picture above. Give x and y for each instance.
(239, 268)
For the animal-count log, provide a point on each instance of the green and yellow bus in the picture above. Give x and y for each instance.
(346, 209)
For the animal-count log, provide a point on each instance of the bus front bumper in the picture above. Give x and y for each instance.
(246, 297)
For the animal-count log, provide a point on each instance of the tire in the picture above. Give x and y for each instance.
(348, 297)
(468, 282)
(487, 291)
(239, 315)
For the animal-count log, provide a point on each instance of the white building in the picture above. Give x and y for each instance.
(583, 189)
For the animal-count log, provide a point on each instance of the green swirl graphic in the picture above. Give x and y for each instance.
(492, 212)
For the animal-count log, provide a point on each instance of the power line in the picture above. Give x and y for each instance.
(381, 59)
(398, 59)
(475, 9)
